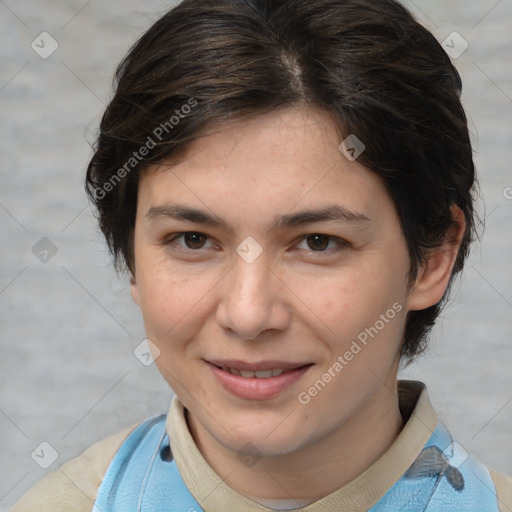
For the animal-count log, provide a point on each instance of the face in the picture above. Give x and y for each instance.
(264, 249)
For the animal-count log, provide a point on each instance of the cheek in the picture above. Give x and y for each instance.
(173, 313)
(358, 313)
(170, 304)
(346, 299)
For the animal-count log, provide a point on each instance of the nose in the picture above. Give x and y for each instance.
(253, 300)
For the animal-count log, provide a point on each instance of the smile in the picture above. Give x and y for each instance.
(247, 374)
(257, 381)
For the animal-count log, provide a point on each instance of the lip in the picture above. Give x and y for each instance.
(256, 366)
(255, 388)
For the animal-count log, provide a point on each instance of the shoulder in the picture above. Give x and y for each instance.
(503, 486)
(73, 486)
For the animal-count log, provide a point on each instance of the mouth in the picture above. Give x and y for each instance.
(257, 381)
(248, 374)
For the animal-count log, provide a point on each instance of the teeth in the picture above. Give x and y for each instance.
(263, 374)
(247, 374)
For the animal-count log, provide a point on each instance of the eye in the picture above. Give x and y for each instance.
(318, 242)
(315, 242)
(192, 240)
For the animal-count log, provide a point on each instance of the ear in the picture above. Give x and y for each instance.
(134, 290)
(434, 276)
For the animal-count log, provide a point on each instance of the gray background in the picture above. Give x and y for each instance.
(68, 375)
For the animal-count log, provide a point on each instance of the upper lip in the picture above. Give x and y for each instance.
(256, 366)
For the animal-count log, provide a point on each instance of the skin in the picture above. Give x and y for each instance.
(296, 302)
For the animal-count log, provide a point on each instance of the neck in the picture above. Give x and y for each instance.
(315, 470)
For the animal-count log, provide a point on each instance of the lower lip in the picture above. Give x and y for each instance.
(257, 389)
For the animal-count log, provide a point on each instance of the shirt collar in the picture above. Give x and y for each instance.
(361, 494)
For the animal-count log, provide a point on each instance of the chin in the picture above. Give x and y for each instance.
(269, 437)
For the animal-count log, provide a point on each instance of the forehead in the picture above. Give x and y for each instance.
(296, 134)
(271, 163)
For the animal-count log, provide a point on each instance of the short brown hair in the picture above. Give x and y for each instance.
(369, 63)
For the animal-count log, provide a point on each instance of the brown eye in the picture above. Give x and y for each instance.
(318, 242)
(194, 240)
(188, 241)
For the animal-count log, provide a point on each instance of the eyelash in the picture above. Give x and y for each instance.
(342, 244)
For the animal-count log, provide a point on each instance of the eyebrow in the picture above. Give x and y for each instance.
(328, 213)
